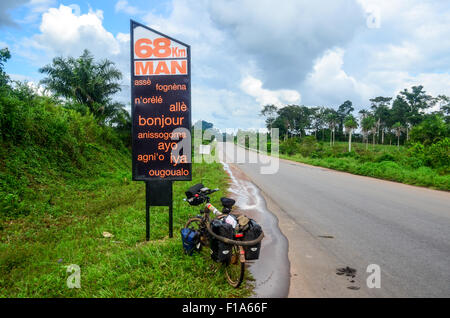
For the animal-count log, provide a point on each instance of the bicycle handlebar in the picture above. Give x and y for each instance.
(209, 191)
(229, 241)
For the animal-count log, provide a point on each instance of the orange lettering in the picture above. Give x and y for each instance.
(175, 65)
(162, 68)
(140, 69)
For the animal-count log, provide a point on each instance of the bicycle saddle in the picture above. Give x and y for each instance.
(227, 202)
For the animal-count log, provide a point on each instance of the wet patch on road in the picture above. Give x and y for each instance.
(272, 270)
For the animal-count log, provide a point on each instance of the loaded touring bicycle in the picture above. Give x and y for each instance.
(232, 239)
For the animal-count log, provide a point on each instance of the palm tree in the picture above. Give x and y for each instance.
(367, 124)
(350, 125)
(332, 119)
(364, 113)
(84, 81)
(398, 128)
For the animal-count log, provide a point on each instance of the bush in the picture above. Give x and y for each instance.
(366, 155)
(289, 147)
(431, 130)
(415, 156)
(385, 157)
(308, 145)
(438, 155)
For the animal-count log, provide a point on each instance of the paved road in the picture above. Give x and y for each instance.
(334, 219)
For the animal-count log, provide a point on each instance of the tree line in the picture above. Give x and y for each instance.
(385, 121)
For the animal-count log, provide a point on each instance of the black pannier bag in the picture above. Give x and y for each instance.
(220, 251)
(191, 192)
(253, 231)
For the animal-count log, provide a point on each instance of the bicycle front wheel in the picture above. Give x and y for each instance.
(235, 270)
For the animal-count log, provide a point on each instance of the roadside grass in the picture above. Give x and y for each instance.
(386, 170)
(65, 179)
(35, 250)
(387, 162)
(379, 161)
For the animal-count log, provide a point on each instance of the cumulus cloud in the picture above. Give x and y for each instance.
(285, 38)
(329, 84)
(254, 87)
(66, 33)
(409, 47)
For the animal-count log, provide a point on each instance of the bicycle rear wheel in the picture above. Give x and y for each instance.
(235, 270)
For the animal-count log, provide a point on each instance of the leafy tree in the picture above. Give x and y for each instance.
(431, 130)
(270, 113)
(85, 82)
(399, 112)
(350, 124)
(4, 56)
(343, 111)
(380, 108)
(444, 107)
(417, 101)
(293, 119)
(318, 119)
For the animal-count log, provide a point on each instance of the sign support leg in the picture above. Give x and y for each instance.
(171, 209)
(147, 211)
(171, 220)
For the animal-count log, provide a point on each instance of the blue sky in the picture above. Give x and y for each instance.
(248, 53)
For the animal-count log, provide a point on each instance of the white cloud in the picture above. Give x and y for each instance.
(254, 87)
(124, 6)
(328, 84)
(284, 38)
(225, 108)
(410, 47)
(64, 32)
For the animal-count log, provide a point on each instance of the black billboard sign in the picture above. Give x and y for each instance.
(160, 106)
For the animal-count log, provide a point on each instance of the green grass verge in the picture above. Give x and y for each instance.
(386, 170)
(35, 250)
(376, 161)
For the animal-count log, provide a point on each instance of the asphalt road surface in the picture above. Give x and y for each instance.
(333, 220)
